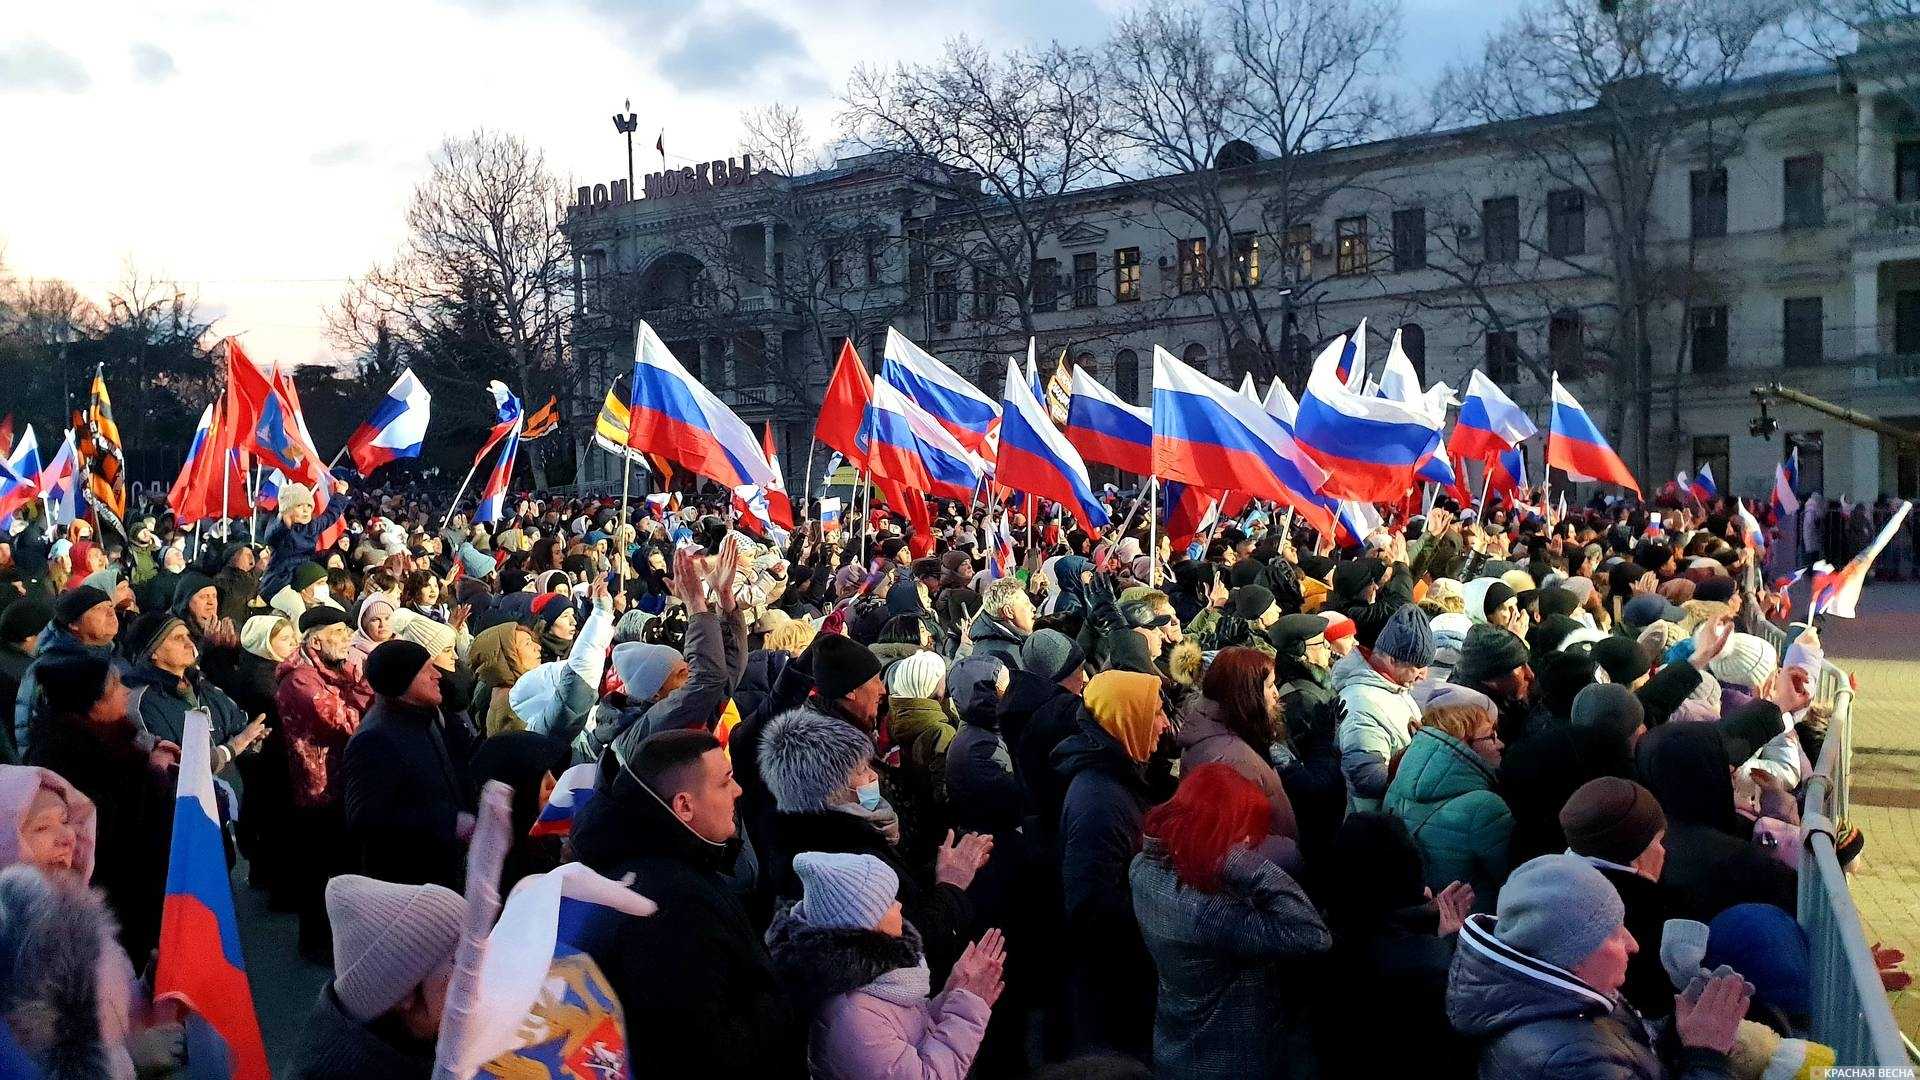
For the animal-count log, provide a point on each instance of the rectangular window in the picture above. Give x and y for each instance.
(1716, 453)
(1708, 346)
(1299, 251)
(1246, 258)
(1813, 459)
(1350, 245)
(1410, 239)
(1503, 356)
(1906, 172)
(836, 265)
(1086, 279)
(1906, 321)
(946, 296)
(1566, 222)
(1193, 264)
(1708, 188)
(1803, 190)
(870, 255)
(1802, 319)
(1566, 341)
(1500, 229)
(1126, 275)
(986, 294)
(1046, 285)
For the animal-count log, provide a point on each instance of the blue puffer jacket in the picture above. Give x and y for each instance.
(1535, 1021)
(1444, 792)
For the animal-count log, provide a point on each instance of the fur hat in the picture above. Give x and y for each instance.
(806, 758)
(294, 496)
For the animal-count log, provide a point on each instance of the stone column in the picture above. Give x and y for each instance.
(1863, 454)
(1866, 308)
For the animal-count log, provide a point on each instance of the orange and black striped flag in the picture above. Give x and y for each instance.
(100, 456)
(543, 421)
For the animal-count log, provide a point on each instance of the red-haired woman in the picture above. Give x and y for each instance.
(1234, 721)
(1221, 920)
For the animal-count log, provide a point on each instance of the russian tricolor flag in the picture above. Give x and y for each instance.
(1368, 446)
(1507, 472)
(1702, 484)
(906, 444)
(397, 427)
(60, 483)
(1750, 527)
(1576, 447)
(956, 404)
(1108, 430)
(1214, 438)
(1281, 405)
(1037, 459)
(671, 414)
(201, 965)
(19, 476)
(1837, 593)
(1489, 421)
(493, 496)
(829, 516)
(571, 793)
(1786, 477)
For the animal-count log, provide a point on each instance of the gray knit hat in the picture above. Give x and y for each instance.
(806, 757)
(844, 892)
(1488, 653)
(1407, 637)
(1558, 908)
(387, 939)
(1050, 654)
(643, 668)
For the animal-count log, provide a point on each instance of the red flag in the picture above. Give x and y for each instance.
(845, 407)
(6, 436)
(779, 507)
(196, 494)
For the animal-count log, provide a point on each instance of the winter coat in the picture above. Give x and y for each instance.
(982, 791)
(943, 913)
(1308, 764)
(1537, 775)
(1536, 1021)
(1101, 825)
(1712, 863)
(1394, 956)
(694, 979)
(13, 667)
(335, 1046)
(1052, 721)
(1223, 1005)
(1204, 740)
(994, 638)
(1648, 987)
(716, 653)
(165, 699)
(1377, 727)
(320, 709)
(858, 1034)
(913, 771)
(1444, 792)
(55, 642)
(66, 989)
(554, 698)
(403, 797)
(293, 545)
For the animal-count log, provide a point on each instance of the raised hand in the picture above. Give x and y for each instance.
(1711, 640)
(1454, 903)
(1712, 1021)
(956, 862)
(981, 969)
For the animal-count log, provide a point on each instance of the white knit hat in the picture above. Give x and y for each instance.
(844, 892)
(916, 676)
(387, 939)
(1746, 661)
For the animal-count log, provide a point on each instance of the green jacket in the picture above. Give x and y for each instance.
(1444, 792)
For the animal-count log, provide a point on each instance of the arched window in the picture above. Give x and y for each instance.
(1195, 356)
(1413, 342)
(1126, 376)
(1085, 362)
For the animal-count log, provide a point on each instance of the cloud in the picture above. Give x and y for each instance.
(151, 63)
(345, 153)
(728, 52)
(36, 65)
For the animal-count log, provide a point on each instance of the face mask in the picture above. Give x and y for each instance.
(869, 795)
(320, 591)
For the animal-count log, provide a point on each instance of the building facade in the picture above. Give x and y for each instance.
(1782, 244)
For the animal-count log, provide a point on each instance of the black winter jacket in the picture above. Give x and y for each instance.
(404, 795)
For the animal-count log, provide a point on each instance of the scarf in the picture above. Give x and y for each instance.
(906, 987)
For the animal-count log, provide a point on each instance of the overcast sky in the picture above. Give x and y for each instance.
(262, 153)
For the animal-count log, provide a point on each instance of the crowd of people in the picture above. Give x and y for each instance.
(1497, 795)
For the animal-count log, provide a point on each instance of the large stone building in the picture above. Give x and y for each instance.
(1783, 245)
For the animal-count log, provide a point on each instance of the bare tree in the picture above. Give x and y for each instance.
(1627, 86)
(1222, 114)
(776, 135)
(483, 276)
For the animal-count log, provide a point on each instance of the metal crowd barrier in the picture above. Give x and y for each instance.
(1851, 1012)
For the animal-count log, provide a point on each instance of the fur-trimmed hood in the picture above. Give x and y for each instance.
(1185, 664)
(815, 964)
(51, 939)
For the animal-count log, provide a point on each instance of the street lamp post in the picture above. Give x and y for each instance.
(626, 125)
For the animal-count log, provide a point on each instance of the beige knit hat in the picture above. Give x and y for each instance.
(293, 495)
(409, 625)
(387, 939)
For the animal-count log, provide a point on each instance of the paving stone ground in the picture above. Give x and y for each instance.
(1882, 649)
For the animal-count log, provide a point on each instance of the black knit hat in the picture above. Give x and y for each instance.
(72, 682)
(392, 665)
(839, 665)
(24, 618)
(1488, 653)
(1252, 601)
(148, 631)
(74, 603)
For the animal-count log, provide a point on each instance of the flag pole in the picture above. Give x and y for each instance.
(444, 522)
(806, 498)
(226, 481)
(1153, 532)
(619, 539)
(866, 488)
(253, 503)
(1220, 511)
(1486, 482)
